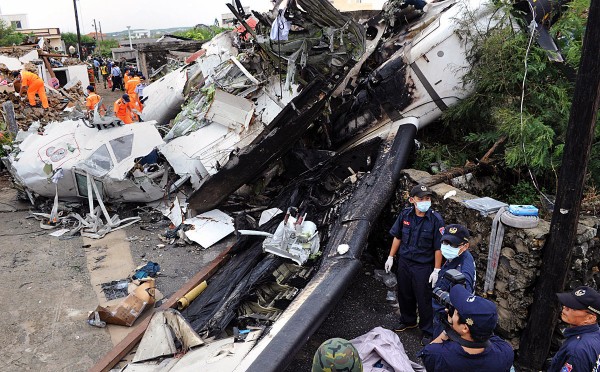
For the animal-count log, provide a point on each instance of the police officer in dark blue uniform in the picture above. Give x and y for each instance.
(417, 232)
(581, 349)
(468, 343)
(454, 248)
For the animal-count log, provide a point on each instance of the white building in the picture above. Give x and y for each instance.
(138, 34)
(19, 21)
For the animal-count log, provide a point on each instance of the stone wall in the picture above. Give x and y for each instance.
(521, 254)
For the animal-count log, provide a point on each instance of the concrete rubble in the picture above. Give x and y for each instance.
(66, 97)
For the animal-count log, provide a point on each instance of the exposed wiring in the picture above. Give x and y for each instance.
(529, 43)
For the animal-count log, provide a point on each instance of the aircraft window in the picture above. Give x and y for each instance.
(100, 160)
(81, 180)
(122, 147)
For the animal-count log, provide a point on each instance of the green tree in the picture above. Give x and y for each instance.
(201, 32)
(530, 106)
(104, 47)
(8, 35)
(70, 38)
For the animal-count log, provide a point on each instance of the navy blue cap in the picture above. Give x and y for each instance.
(582, 298)
(420, 191)
(479, 314)
(456, 234)
(90, 88)
(126, 97)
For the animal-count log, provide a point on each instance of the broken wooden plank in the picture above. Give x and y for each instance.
(128, 343)
(460, 171)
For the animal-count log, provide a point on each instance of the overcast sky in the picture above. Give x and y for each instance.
(116, 15)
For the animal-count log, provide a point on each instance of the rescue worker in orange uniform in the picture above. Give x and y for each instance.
(92, 100)
(128, 75)
(130, 86)
(122, 108)
(34, 85)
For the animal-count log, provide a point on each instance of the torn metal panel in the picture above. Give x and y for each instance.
(219, 355)
(203, 152)
(167, 334)
(284, 130)
(165, 96)
(209, 227)
(231, 111)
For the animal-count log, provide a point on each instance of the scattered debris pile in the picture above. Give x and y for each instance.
(58, 101)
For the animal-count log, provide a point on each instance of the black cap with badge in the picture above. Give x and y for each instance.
(420, 191)
(582, 298)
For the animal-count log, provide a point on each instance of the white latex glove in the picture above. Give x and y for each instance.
(433, 278)
(388, 264)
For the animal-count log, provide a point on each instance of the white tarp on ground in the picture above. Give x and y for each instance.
(380, 344)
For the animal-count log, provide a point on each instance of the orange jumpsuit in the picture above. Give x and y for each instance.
(123, 110)
(130, 86)
(91, 101)
(34, 85)
(126, 77)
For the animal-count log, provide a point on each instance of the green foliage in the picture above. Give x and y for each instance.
(569, 30)
(8, 35)
(70, 38)
(523, 193)
(5, 140)
(444, 154)
(105, 46)
(201, 32)
(530, 106)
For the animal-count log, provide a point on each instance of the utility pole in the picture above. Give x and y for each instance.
(129, 33)
(78, 32)
(556, 261)
(101, 35)
(95, 31)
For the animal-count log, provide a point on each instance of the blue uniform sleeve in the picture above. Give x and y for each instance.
(438, 229)
(468, 270)
(396, 230)
(432, 357)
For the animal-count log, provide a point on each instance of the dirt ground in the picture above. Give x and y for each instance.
(50, 285)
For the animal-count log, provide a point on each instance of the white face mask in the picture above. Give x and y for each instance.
(423, 206)
(449, 252)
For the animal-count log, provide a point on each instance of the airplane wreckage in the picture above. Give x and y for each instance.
(309, 112)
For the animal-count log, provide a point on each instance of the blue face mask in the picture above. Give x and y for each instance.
(449, 252)
(423, 206)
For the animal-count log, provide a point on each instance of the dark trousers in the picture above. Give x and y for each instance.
(414, 291)
(117, 82)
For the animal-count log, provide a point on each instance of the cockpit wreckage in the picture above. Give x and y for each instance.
(303, 109)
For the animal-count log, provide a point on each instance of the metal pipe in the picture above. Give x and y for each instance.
(185, 301)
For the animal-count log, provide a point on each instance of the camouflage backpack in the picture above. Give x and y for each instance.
(336, 355)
